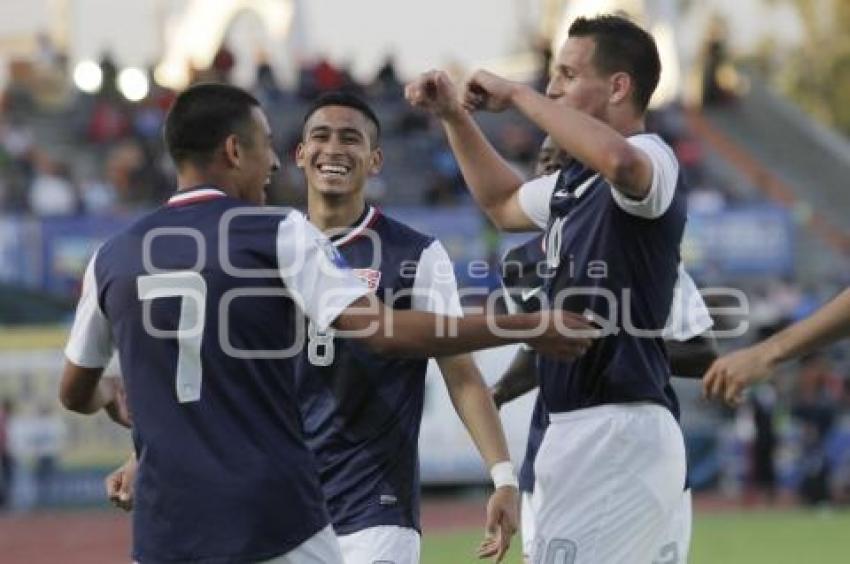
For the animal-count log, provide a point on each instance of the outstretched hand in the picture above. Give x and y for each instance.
(567, 335)
(730, 375)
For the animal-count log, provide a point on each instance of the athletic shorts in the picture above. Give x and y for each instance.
(608, 482)
(381, 545)
(321, 548)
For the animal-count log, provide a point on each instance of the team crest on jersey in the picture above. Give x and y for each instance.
(368, 275)
(330, 251)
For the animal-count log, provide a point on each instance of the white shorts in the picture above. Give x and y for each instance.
(527, 528)
(676, 541)
(674, 548)
(321, 548)
(381, 545)
(609, 479)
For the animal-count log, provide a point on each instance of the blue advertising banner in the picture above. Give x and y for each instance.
(749, 241)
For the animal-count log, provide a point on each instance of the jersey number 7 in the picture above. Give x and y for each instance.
(192, 289)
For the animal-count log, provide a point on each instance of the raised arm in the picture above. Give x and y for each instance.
(587, 139)
(732, 373)
(492, 182)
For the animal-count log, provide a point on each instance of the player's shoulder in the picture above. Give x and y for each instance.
(652, 142)
(395, 232)
(240, 223)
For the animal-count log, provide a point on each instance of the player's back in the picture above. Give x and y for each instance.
(224, 474)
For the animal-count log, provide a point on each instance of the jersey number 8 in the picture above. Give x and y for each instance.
(320, 346)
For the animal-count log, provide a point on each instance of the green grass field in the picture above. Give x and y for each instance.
(775, 537)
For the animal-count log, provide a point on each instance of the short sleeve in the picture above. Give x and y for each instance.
(435, 286)
(689, 316)
(90, 344)
(665, 175)
(535, 197)
(314, 272)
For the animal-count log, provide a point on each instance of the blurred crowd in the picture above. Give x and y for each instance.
(66, 152)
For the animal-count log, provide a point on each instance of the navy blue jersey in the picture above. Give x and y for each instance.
(524, 272)
(192, 297)
(361, 410)
(616, 258)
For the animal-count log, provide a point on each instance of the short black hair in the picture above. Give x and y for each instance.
(348, 100)
(202, 117)
(623, 46)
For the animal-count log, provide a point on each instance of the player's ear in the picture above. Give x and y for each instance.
(232, 151)
(376, 161)
(621, 87)
(300, 157)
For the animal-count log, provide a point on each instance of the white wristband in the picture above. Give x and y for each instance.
(503, 474)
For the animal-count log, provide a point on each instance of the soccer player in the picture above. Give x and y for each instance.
(361, 411)
(611, 467)
(731, 374)
(691, 350)
(202, 299)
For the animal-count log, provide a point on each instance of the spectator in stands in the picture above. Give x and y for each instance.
(265, 83)
(7, 464)
(816, 409)
(222, 64)
(18, 151)
(109, 85)
(108, 122)
(52, 192)
(47, 441)
(327, 77)
(716, 62)
(386, 85)
(763, 402)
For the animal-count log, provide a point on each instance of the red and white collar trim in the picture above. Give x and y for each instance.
(358, 229)
(194, 196)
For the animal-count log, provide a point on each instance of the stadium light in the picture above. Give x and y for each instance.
(133, 84)
(88, 77)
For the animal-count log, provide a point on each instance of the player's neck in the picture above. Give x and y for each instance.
(191, 177)
(627, 124)
(334, 213)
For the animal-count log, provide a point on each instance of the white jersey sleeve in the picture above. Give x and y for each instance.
(435, 286)
(90, 344)
(689, 315)
(314, 272)
(535, 197)
(665, 175)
